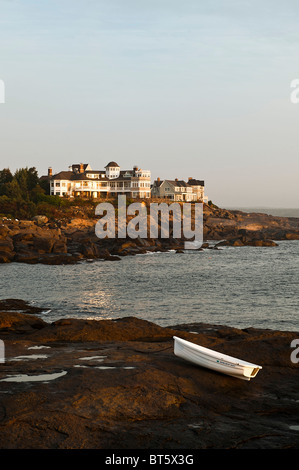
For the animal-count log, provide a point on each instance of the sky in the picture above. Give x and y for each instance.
(182, 88)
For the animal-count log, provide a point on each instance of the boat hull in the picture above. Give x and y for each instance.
(214, 360)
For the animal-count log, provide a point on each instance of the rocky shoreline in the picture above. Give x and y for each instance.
(118, 385)
(69, 240)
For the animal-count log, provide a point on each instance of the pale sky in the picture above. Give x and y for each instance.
(195, 88)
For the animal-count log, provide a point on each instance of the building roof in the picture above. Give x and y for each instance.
(100, 175)
(63, 175)
(194, 182)
(127, 173)
(77, 166)
(112, 164)
(181, 183)
(177, 183)
(69, 175)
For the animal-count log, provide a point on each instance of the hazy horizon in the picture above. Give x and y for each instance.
(183, 89)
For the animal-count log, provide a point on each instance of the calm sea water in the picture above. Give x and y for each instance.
(279, 212)
(240, 287)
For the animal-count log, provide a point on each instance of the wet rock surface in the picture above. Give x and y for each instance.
(220, 224)
(118, 385)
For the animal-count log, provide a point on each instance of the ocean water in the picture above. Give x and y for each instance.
(279, 212)
(234, 286)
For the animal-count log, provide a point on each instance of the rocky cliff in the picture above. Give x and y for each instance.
(69, 240)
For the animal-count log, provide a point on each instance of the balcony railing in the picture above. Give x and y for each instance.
(90, 187)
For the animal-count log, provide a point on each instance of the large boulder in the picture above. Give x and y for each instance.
(43, 244)
(18, 305)
(19, 323)
(7, 252)
(40, 219)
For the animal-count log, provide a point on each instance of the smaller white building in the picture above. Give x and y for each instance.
(179, 190)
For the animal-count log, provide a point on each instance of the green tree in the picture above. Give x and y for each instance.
(5, 176)
(12, 190)
(27, 179)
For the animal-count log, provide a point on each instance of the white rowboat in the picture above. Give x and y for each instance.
(214, 360)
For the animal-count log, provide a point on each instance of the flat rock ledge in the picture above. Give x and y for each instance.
(116, 384)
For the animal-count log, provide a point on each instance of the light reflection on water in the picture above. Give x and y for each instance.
(241, 287)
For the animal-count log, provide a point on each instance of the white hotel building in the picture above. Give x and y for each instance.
(81, 181)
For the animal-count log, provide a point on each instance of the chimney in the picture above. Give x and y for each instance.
(176, 179)
(158, 179)
(190, 178)
(50, 172)
(81, 168)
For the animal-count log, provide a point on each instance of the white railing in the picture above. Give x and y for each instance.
(93, 188)
(102, 188)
